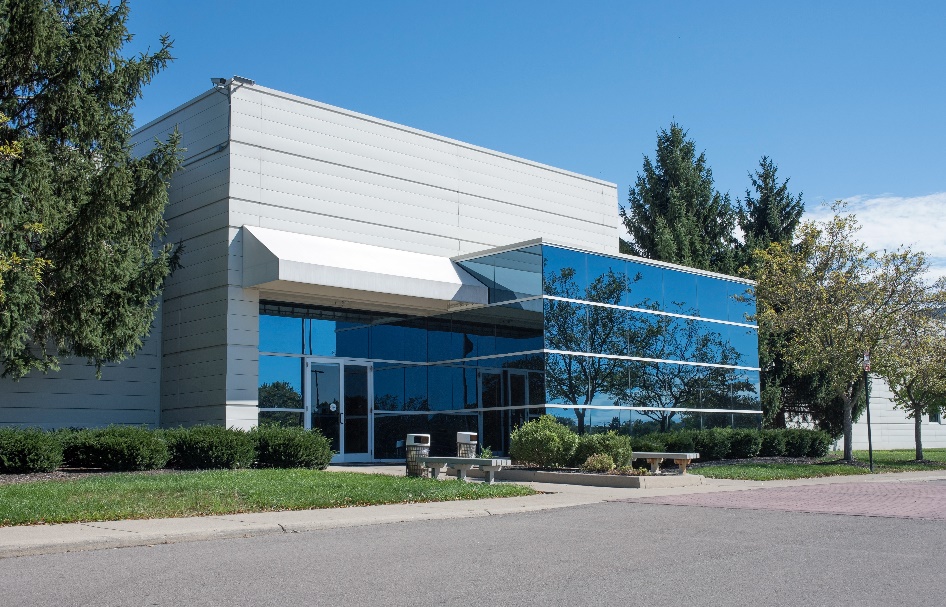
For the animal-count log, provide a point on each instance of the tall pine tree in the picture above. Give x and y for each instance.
(81, 257)
(769, 213)
(674, 214)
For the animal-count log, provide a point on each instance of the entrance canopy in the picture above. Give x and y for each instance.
(287, 262)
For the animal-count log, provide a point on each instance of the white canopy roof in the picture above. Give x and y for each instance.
(312, 265)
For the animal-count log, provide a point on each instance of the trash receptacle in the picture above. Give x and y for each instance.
(466, 444)
(416, 446)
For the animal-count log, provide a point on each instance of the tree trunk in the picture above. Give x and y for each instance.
(580, 414)
(848, 427)
(918, 433)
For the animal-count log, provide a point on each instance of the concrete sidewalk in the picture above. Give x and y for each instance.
(44, 539)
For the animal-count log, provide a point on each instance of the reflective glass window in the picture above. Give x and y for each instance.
(280, 381)
(351, 339)
(745, 343)
(742, 302)
(564, 273)
(445, 387)
(607, 280)
(388, 387)
(645, 286)
(444, 339)
(415, 389)
(679, 292)
(402, 340)
(713, 297)
(584, 380)
(518, 274)
(280, 334)
(565, 326)
(746, 391)
(607, 330)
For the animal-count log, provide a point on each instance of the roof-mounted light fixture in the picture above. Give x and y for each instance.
(218, 82)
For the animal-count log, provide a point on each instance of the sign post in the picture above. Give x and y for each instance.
(870, 442)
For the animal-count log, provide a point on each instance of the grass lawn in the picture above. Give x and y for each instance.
(899, 460)
(179, 494)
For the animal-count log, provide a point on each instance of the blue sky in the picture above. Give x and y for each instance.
(848, 98)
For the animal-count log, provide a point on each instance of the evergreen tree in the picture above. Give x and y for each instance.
(81, 257)
(771, 213)
(674, 214)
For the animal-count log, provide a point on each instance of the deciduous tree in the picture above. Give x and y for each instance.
(839, 299)
(914, 361)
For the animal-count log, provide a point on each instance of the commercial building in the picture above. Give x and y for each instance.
(368, 279)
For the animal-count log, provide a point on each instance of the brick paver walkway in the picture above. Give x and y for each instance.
(920, 500)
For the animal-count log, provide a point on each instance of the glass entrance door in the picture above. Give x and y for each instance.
(339, 392)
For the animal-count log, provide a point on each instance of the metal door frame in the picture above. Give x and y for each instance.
(341, 456)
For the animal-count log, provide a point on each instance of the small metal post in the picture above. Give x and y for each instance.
(870, 442)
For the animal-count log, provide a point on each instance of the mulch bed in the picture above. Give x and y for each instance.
(66, 474)
(775, 460)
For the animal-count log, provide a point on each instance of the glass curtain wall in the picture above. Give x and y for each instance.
(601, 342)
(631, 345)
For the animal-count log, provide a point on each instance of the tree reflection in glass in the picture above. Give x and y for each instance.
(653, 387)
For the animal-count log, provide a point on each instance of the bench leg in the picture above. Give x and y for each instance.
(654, 464)
(461, 473)
(683, 463)
(490, 476)
(434, 473)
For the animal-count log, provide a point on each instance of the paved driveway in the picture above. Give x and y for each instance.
(911, 500)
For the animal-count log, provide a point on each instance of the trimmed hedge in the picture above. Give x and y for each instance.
(210, 447)
(797, 442)
(121, 448)
(744, 444)
(773, 443)
(713, 444)
(543, 442)
(820, 443)
(292, 447)
(23, 451)
(723, 443)
(617, 446)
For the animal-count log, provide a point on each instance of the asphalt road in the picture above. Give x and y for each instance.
(601, 554)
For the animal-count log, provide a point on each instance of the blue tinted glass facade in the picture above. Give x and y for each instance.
(601, 342)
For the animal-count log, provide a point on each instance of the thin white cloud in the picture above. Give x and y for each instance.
(888, 222)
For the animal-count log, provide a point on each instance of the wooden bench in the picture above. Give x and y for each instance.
(490, 466)
(654, 458)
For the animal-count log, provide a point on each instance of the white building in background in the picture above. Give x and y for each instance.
(890, 427)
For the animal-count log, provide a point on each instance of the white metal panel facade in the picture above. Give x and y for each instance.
(890, 428)
(259, 157)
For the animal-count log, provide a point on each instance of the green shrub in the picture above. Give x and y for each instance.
(713, 444)
(820, 443)
(543, 442)
(617, 446)
(649, 442)
(28, 450)
(797, 442)
(208, 447)
(599, 462)
(291, 447)
(745, 444)
(681, 441)
(773, 443)
(115, 448)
